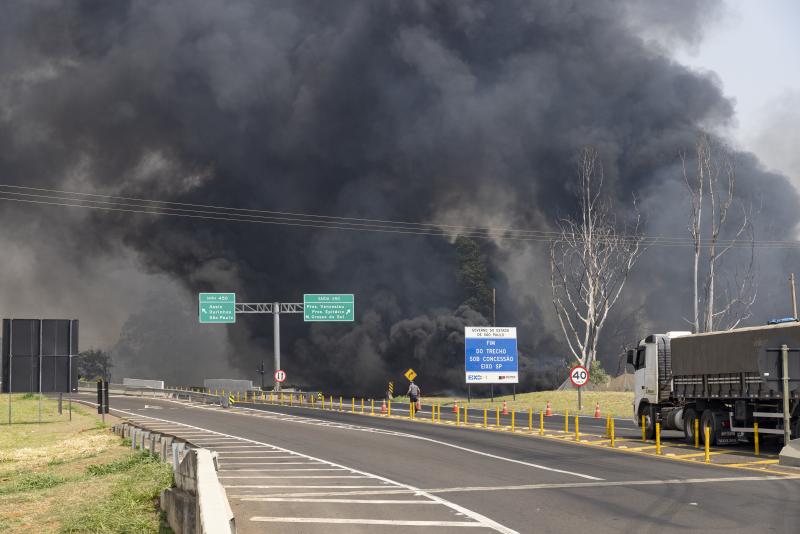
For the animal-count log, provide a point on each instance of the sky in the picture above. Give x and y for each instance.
(754, 48)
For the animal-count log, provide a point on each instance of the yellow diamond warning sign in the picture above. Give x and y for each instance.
(410, 374)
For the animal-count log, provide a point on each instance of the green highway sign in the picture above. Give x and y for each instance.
(329, 308)
(217, 307)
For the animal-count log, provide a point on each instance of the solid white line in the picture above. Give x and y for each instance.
(257, 486)
(297, 476)
(615, 483)
(272, 470)
(482, 519)
(395, 522)
(283, 463)
(340, 501)
(473, 451)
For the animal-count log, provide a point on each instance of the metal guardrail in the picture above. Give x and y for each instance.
(167, 393)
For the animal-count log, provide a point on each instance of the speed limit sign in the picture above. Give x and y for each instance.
(280, 375)
(579, 375)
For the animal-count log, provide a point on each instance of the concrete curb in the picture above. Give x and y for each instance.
(198, 503)
(790, 454)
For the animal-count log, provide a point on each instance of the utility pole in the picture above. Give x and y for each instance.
(794, 297)
(276, 323)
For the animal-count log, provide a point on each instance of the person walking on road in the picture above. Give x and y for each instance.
(413, 396)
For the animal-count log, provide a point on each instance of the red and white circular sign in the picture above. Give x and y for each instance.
(280, 375)
(579, 375)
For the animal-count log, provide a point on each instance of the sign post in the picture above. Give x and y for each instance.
(579, 376)
(490, 355)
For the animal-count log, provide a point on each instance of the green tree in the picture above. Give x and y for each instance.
(597, 375)
(94, 364)
(473, 276)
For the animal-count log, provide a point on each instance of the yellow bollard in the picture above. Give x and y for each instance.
(611, 432)
(465, 415)
(608, 425)
(530, 419)
(577, 431)
(439, 413)
(341, 404)
(658, 437)
(755, 436)
(458, 417)
(566, 421)
(485, 417)
(541, 423)
(644, 430)
(291, 398)
(707, 451)
(497, 418)
(512, 420)
(353, 405)
(696, 433)
(389, 409)
(362, 406)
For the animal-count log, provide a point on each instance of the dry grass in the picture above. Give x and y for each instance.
(62, 476)
(616, 403)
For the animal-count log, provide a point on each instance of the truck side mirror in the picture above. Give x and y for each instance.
(631, 354)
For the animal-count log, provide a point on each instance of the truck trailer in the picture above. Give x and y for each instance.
(727, 381)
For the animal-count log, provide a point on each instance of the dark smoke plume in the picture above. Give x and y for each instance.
(467, 112)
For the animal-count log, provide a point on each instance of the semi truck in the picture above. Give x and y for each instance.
(726, 381)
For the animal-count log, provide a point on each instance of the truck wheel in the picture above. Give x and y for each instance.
(689, 417)
(649, 413)
(709, 420)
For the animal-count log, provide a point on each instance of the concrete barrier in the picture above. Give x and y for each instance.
(790, 454)
(197, 504)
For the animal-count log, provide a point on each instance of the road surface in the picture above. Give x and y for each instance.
(292, 470)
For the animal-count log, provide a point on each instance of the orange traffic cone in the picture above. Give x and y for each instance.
(505, 408)
(547, 411)
(383, 406)
(455, 407)
(597, 411)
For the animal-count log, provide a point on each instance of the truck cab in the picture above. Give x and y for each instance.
(652, 376)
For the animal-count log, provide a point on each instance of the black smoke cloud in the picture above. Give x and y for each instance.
(467, 112)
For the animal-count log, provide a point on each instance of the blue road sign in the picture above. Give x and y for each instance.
(490, 355)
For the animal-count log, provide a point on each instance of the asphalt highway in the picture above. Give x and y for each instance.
(372, 474)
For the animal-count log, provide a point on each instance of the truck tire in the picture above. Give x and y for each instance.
(689, 417)
(649, 413)
(709, 419)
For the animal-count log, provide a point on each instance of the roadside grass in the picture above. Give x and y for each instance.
(62, 476)
(616, 403)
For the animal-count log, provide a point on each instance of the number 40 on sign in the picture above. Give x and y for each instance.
(579, 376)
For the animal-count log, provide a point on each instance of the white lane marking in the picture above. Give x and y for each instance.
(285, 463)
(294, 476)
(479, 518)
(615, 483)
(338, 501)
(276, 470)
(304, 419)
(473, 451)
(259, 486)
(394, 522)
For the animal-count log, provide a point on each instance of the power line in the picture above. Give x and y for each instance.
(228, 214)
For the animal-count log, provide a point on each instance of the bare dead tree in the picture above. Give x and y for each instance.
(711, 310)
(590, 262)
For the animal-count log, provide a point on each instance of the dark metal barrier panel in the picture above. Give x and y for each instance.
(36, 354)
